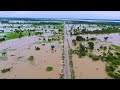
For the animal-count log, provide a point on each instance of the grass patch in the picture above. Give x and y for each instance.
(43, 44)
(91, 39)
(94, 57)
(117, 48)
(3, 58)
(12, 35)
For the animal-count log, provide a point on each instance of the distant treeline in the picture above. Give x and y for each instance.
(97, 23)
(103, 31)
(28, 19)
(37, 23)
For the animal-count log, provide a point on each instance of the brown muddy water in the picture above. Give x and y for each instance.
(85, 68)
(112, 39)
(22, 68)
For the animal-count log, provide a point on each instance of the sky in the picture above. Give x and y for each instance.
(63, 14)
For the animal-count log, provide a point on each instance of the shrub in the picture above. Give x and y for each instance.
(74, 42)
(82, 50)
(95, 58)
(48, 69)
(104, 54)
(2, 39)
(6, 70)
(37, 48)
(111, 54)
(110, 68)
(43, 44)
(31, 58)
(104, 48)
(91, 45)
(117, 53)
(90, 55)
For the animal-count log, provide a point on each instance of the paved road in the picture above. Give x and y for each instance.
(67, 68)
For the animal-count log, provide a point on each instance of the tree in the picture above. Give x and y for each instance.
(2, 39)
(83, 30)
(29, 34)
(52, 47)
(74, 42)
(91, 45)
(80, 38)
(82, 50)
(104, 48)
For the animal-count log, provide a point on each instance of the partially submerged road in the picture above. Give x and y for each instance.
(66, 55)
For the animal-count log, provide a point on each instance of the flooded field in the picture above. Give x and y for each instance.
(84, 67)
(22, 67)
(59, 51)
(32, 57)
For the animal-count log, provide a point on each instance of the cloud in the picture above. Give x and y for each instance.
(63, 14)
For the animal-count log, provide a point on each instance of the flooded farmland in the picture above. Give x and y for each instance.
(59, 50)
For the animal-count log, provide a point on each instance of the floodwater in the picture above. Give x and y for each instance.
(112, 39)
(22, 68)
(85, 68)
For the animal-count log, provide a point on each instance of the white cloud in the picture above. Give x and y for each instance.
(63, 14)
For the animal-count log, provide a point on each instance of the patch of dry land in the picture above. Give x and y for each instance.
(27, 63)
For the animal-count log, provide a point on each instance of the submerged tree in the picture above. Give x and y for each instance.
(52, 47)
(105, 38)
(82, 50)
(80, 38)
(91, 45)
(74, 42)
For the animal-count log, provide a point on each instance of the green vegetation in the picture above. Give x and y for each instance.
(3, 58)
(20, 57)
(43, 44)
(37, 48)
(103, 31)
(48, 69)
(91, 45)
(71, 64)
(111, 69)
(31, 58)
(2, 39)
(91, 39)
(38, 33)
(74, 42)
(6, 70)
(117, 48)
(82, 50)
(17, 34)
(12, 35)
(60, 30)
(94, 57)
(105, 48)
(80, 38)
(101, 47)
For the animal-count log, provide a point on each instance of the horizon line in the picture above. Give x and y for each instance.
(60, 18)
